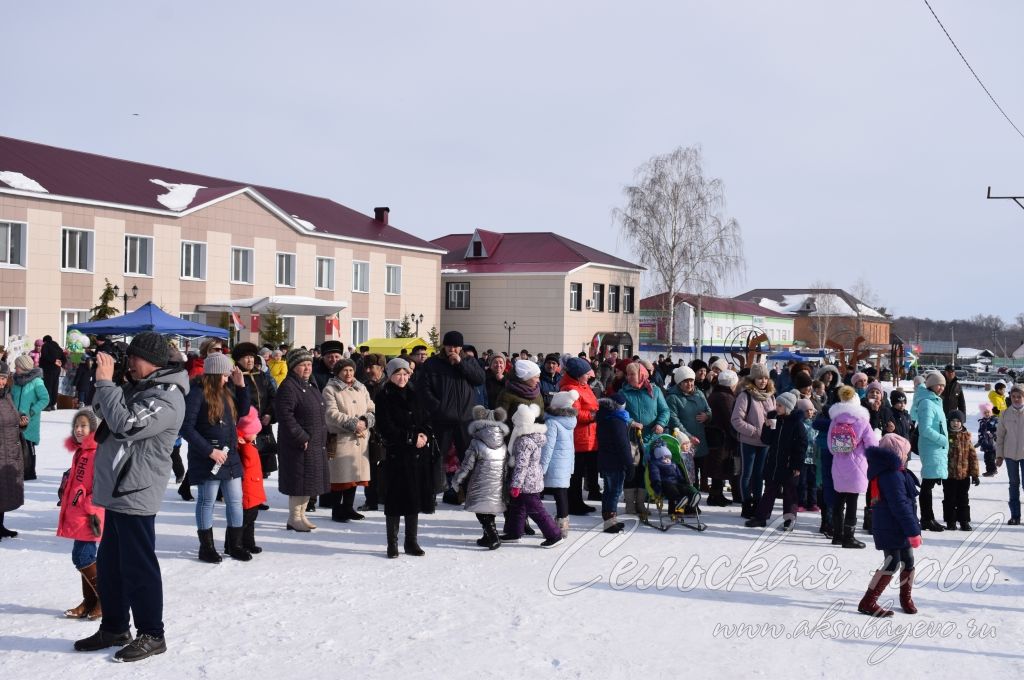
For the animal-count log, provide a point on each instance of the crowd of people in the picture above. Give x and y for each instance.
(494, 433)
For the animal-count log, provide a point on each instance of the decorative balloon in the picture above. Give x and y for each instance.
(75, 347)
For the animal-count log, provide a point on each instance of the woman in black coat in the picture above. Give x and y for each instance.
(404, 424)
(301, 439)
(262, 389)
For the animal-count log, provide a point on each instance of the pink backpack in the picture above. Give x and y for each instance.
(842, 439)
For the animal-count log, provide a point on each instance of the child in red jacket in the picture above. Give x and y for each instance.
(253, 494)
(79, 518)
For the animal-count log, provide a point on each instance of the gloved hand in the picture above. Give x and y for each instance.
(514, 492)
(94, 524)
(915, 541)
(975, 480)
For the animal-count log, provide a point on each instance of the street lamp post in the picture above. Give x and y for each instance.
(417, 319)
(126, 297)
(510, 327)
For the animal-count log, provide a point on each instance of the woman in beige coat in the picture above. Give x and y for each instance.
(350, 415)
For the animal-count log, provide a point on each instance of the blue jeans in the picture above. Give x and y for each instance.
(613, 482)
(752, 471)
(207, 494)
(1015, 469)
(83, 553)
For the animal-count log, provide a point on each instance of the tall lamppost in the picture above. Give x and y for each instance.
(510, 327)
(417, 319)
(126, 297)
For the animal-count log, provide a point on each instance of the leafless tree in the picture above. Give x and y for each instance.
(825, 309)
(863, 291)
(674, 223)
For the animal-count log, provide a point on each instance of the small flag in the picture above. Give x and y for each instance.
(236, 321)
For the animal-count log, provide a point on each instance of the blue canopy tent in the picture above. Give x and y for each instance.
(149, 317)
(786, 355)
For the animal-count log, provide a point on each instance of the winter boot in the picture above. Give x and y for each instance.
(302, 515)
(748, 510)
(950, 526)
(391, 522)
(348, 500)
(867, 519)
(338, 513)
(611, 525)
(849, 541)
(101, 639)
(966, 526)
(311, 505)
(869, 603)
(906, 590)
(185, 491)
(629, 498)
(755, 523)
(491, 535)
(734, 490)
(249, 531)
(207, 551)
(576, 505)
(296, 504)
(90, 606)
(411, 530)
(563, 526)
(233, 545)
(837, 526)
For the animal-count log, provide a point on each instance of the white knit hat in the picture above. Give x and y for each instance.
(561, 400)
(720, 365)
(526, 369)
(728, 378)
(683, 373)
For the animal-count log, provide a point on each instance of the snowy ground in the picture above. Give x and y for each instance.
(330, 601)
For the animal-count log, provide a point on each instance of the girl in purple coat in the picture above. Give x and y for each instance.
(849, 435)
(525, 445)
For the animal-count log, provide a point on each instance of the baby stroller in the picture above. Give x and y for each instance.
(666, 520)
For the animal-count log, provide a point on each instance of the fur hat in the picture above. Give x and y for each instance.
(250, 424)
(847, 393)
(577, 368)
(331, 347)
(485, 417)
(956, 414)
(787, 401)
(897, 444)
(801, 380)
(296, 356)
(728, 378)
(985, 409)
(698, 364)
(453, 339)
(758, 370)
(683, 373)
(24, 362)
(244, 349)
(720, 365)
(217, 364)
(151, 347)
(526, 369)
(805, 405)
(524, 421)
(564, 400)
(90, 415)
(934, 378)
(396, 364)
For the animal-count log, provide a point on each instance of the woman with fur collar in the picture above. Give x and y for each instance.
(849, 467)
(755, 397)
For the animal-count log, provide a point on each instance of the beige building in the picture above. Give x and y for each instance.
(71, 220)
(562, 296)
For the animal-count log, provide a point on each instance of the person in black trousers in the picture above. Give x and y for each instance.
(51, 359)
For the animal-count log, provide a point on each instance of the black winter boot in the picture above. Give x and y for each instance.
(391, 522)
(185, 491)
(207, 551)
(837, 526)
(101, 639)
(411, 529)
(867, 519)
(233, 545)
(249, 531)
(748, 510)
(491, 535)
(848, 539)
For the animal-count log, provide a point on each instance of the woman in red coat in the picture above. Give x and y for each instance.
(79, 518)
(576, 377)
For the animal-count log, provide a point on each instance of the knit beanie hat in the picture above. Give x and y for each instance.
(934, 378)
(342, 363)
(619, 399)
(787, 401)
(897, 444)
(898, 397)
(661, 452)
(24, 362)
(453, 339)
(804, 405)
(758, 371)
(526, 369)
(296, 356)
(875, 386)
(720, 365)
(577, 368)
(918, 380)
(847, 393)
(396, 364)
(985, 409)
(683, 373)
(801, 380)
(217, 364)
(956, 414)
(728, 378)
(249, 424)
(151, 347)
(563, 400)
(88, 414)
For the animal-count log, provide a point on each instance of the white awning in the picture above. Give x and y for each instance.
(286, 305)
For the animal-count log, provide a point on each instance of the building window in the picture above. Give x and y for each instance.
(241, 265)
(457, 296)
(193, 260)
(613, 299)
(286, 270)
(77, 250)
(359, 331)
(360, 277)
(12, 243)
(194, 317)
(13, 324)
(138, 255)
(69, 317)
(597, 298)
(392, 328)
(325, 273)
(394, 284)
(575, 296)
(288, 326)
(627, 299)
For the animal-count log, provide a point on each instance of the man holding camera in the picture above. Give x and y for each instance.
(141, 421)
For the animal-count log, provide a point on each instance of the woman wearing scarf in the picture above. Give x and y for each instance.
(350, 415)
(689, 411)
(522, 387)
(30, 398)
(647, 407)
(755, 398)
(495, 377)
(12, 480)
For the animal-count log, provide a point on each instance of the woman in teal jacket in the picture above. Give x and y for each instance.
(30, 398)
(932, 443)
(646, 405)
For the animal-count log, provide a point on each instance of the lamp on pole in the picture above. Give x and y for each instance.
(126, 297)
(510, 327)
(417, 319)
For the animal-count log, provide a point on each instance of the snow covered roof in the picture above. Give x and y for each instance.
(16, 180)
(810, 301)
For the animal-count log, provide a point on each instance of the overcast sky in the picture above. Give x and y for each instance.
(851, 138)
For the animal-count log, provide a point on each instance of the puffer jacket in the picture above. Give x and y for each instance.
(203, 436)
(1010, 434)
(253, 492)
(787, 446)
(893, 516)
(933, 435)
(486, 460)
(998, 402)
(647, 409)
(30, 398)
(140, 425)
(76, 504)
(614, 453)
(748, 414)
(526, 450)
(585, 434)
(850, 470)
(558, 456)
(683, 409)
(278, 369)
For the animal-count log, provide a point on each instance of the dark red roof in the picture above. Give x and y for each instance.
(520, 252)
(80, 175)
(712, 304)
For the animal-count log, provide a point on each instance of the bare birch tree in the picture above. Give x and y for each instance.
(825, 309)
(674, 223)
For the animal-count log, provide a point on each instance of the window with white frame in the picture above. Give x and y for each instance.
(360, 331)
(12, 243)
(360, 277)
(457, 296)
(13, 323)
(70, 317)
(76, 250)
(627, 299)
(575, 297)
(325, 273)
(194, 317)
(241, 265)
(394, 283)
(138, 255)
(597, 297)
(613, 299)
(288, 326)
(286, 269)
(193, 260)
(392, 327)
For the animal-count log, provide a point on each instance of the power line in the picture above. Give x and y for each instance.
(969, 68)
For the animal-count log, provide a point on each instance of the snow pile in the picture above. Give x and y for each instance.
(825, 303)
(453, 271)
(178, 196)
(16, 180)
(305, 223)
